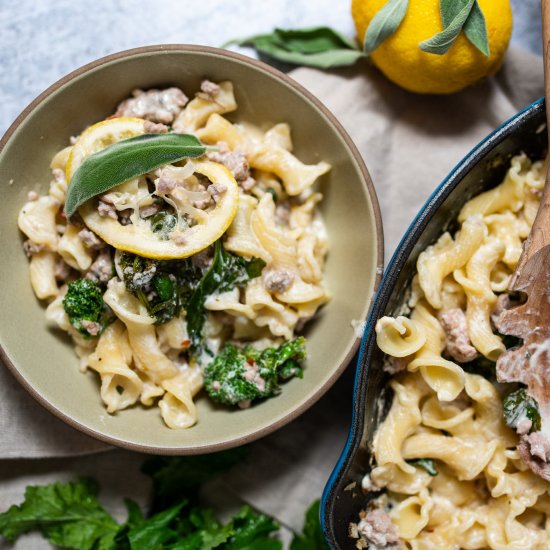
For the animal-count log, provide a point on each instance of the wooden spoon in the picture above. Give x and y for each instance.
(530, 363)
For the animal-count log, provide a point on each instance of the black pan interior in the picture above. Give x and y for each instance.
(482, 169)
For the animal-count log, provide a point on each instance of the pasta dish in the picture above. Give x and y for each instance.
(180, 250)
(457, 460)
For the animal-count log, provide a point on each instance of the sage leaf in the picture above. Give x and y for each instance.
(313, 40)
(320, 47)
(475, 30)
(475, 27)
(384, 23)
(449, 9)
(442, 41)
(127, 159)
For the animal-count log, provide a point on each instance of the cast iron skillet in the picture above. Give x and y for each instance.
(483, 168)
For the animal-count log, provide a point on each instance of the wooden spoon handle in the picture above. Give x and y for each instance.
(540, 232)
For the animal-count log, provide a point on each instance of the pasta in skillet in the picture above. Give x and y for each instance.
(446, 462)
(197, 273)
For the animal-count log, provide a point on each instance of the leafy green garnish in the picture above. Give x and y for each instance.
(251, 532)
(165, 287)
(162, 286)
(519, 405)
(176, 475)
(324, 47)
(458, 15)
(384, 23)
(312, 537)
(67, 515)
(475, 27)
(163, 223)
(316, 47)
(230, 377)
(225, 273)
(127, 159)
(83, 303)
(426, 464)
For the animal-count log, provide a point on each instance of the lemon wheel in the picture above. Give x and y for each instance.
(195, 230)
(101, 135)
(142, 240)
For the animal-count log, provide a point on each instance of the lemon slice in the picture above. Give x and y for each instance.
(138, 237)
(101, 135)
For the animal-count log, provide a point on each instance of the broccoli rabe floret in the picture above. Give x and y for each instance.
(85, 307)
(518, 406)
(162, 286)
(241, 375)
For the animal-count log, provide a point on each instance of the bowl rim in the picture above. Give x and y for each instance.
(383, 294)
(369, 187)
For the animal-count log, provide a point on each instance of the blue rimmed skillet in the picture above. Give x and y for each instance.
(483, 168)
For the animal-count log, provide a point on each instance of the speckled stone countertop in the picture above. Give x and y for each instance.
(42, 41)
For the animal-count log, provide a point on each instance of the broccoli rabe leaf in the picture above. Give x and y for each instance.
(83, 303)
(174, 476)
(519, 405)
(427, 464)
(225, 273)
(162, 286)
(200, 530)
(166, 287)
(163, 223)
(312, 537)
(243, 374)
(67, 514)
(156, 531)
(252, 531)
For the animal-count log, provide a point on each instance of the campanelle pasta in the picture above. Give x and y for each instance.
(446, 463)
(140, 356)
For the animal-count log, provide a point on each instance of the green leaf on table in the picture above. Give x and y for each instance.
(312, 537)
(384, 23)
(125, 160)
(200, 530)
(320, 47)
(156, 531)
(67, 514)
(474, 28)
(174, 476)
(252, 531)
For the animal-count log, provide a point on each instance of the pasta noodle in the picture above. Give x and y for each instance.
(146, 348)
(448, 464)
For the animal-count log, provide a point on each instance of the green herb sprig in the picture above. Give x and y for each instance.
(125, 160)
(320, 47)
(69, 515)
(325, 48)
(457, 16)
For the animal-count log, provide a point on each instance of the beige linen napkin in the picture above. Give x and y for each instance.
(409, 143)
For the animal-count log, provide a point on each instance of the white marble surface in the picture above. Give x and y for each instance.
(41, 41)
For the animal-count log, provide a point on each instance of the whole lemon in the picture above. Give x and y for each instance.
(402, 61)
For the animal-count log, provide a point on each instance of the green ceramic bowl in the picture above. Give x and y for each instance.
(43, 360)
